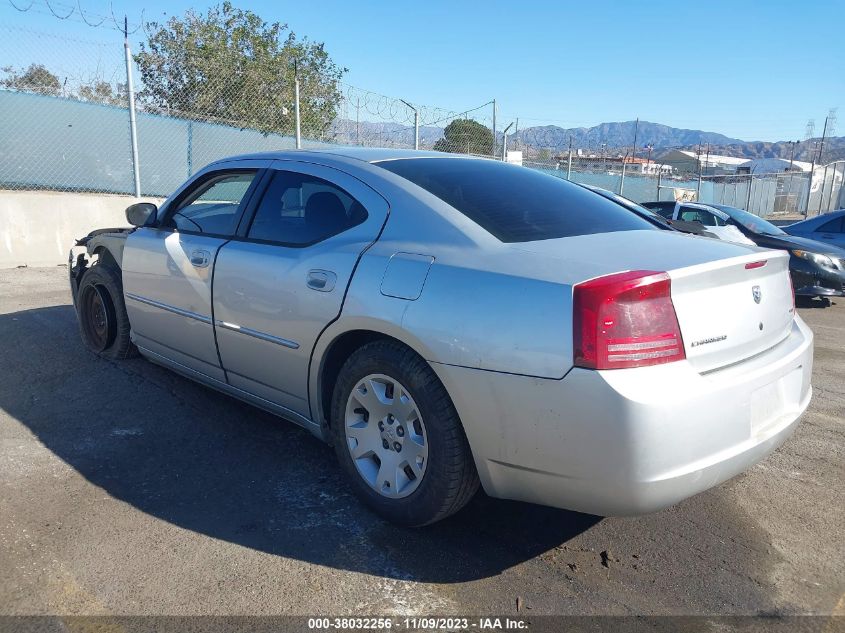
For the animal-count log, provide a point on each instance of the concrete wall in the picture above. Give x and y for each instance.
(38, 228)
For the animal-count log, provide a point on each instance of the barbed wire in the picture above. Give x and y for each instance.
(37, 6)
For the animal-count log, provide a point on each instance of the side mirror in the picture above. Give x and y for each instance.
(139, 214)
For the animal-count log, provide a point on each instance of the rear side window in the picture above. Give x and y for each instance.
(834, 226)
(298, 210)
(516, 204)
(702, 216)
(666, 209)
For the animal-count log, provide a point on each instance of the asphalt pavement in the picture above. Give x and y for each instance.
(126, 489)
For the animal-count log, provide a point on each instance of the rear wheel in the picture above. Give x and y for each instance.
(103, 321)
(398, 437)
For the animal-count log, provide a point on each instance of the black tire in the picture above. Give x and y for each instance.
(101, 311)
(450, 479)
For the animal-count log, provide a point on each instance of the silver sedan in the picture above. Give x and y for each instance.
(446, 321)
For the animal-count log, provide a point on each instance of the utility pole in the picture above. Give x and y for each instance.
(569, 164)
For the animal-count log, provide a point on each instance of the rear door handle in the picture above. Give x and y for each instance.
(321, 280)
(200, 258)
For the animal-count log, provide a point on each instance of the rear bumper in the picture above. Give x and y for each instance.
(630, 441)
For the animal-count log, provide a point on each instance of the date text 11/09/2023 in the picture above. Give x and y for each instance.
(415, 624)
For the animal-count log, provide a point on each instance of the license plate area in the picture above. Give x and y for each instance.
(771, 402)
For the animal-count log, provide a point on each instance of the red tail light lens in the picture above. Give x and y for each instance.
(626, 320)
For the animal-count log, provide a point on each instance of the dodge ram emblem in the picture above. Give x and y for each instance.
(757, 293)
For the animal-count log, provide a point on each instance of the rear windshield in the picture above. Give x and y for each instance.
(516, 204)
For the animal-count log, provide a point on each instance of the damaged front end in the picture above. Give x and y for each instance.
(98, 246)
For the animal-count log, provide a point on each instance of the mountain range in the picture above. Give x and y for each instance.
(616, 137)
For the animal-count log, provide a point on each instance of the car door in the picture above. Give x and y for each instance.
(832, 232)
(168, 267)
(283, 279)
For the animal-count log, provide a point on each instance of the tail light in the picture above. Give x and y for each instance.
(626, 320)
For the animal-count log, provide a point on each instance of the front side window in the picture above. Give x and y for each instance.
(516, 204)
(213, 206)
(297, 209)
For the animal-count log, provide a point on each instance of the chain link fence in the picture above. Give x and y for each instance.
(66, 125)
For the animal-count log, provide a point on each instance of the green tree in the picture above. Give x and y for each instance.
(99, 91)
(36, 79)
(465, 136)
(230, 66)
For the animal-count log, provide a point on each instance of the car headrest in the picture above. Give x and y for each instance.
(325, 214)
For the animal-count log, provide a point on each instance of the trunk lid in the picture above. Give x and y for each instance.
(732, 309)
(712, 290)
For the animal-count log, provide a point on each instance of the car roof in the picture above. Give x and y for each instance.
(365, 154)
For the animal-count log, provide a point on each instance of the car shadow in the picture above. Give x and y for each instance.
(813, 302)
(205, 462)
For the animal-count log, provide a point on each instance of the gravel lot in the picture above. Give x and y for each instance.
(125, 489)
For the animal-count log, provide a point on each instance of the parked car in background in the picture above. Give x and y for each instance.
(694, 228)
(818, 269)
(715, 222)
(444, 320)
(828, 228)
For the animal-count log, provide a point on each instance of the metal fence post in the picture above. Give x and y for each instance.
(821, 191)
(416, 123)
(190, 148)
(358, 122)
(494, 128)
(809, 189)
(296, 105)
(659, 174)
(748, 193)
(133, 128)
(505, 143)
(622, 180)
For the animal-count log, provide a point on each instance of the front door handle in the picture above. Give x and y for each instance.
(321, 280)
(200, 258)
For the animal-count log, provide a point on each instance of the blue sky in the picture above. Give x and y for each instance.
(752, 70)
